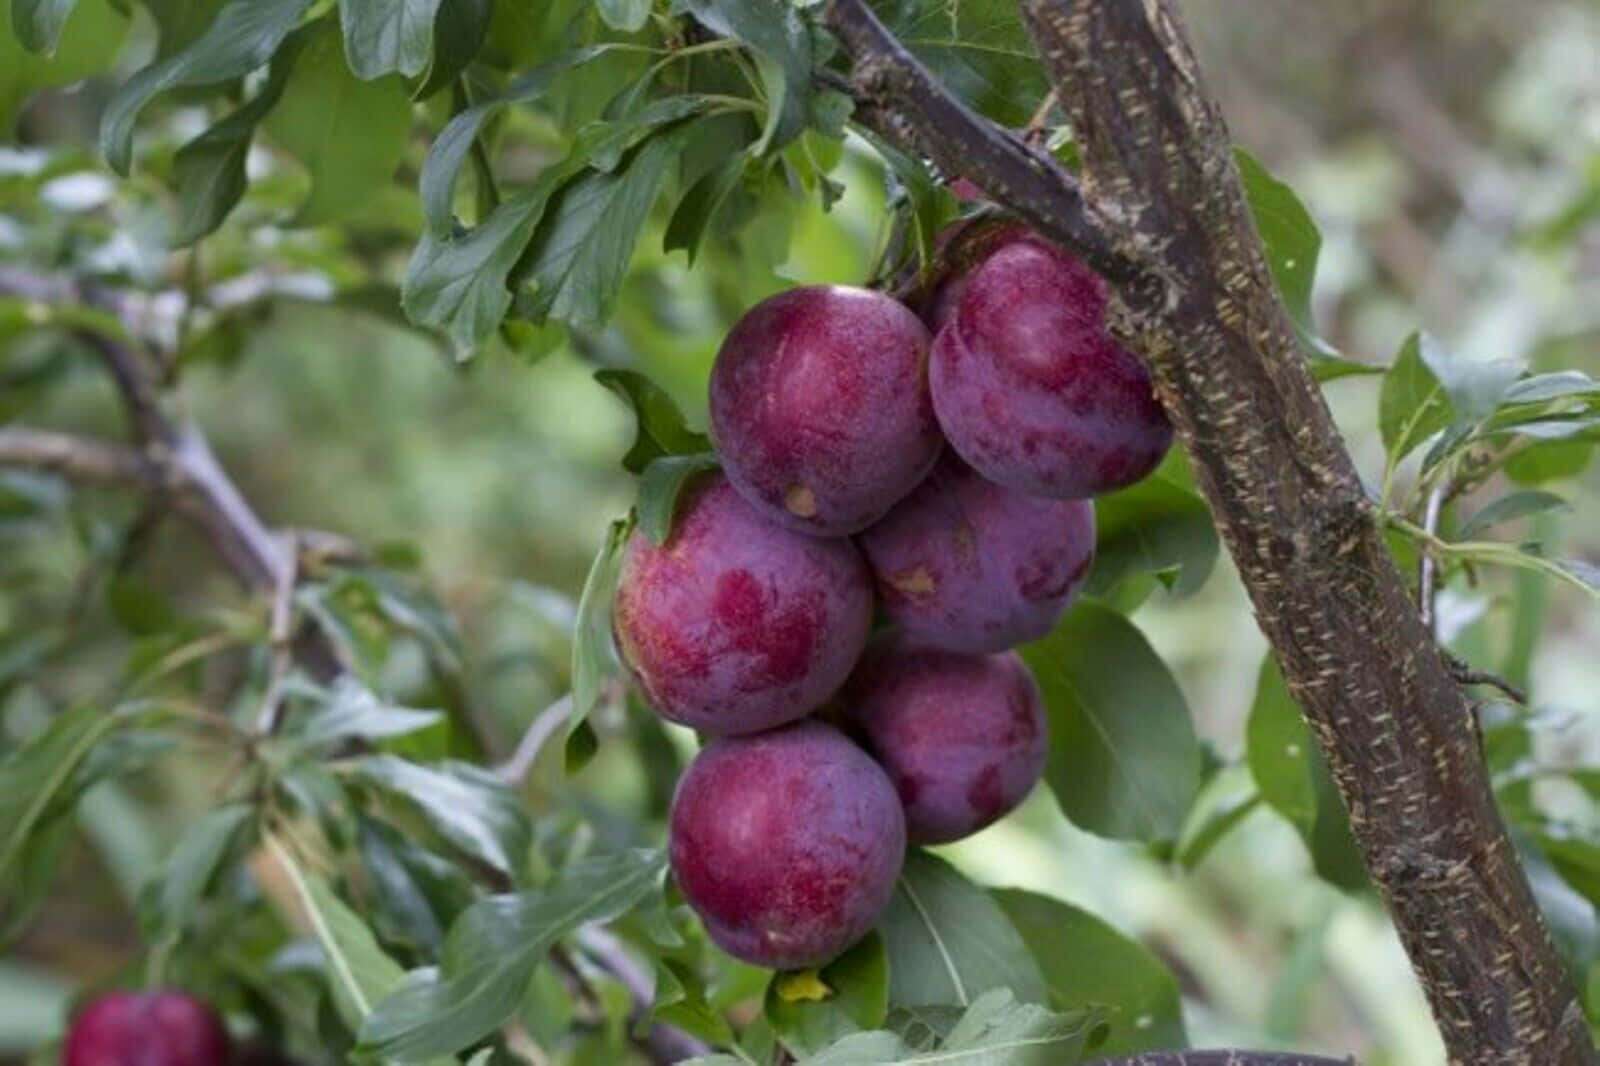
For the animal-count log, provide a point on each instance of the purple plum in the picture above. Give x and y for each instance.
(968, 565)
(164, 1028)
(1029, 387)
(820, 407)
(736, 624)
(962, 737)
(786, 843)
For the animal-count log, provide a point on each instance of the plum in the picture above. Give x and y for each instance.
(162, 1028)
(736, 624)
(786, 843)
(1031, 390)
(967, 565)
(962, 737)
(820, 407)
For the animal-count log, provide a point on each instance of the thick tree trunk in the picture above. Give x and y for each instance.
(1160, 211)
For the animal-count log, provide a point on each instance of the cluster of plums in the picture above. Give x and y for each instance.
(159, 1028)
(938, 466)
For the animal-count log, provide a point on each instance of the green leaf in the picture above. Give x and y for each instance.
(591, 638)
(661, 486)
(1153, 527)
(977, 48)
(193, 864)
(1548, 461)
(449, 150)
(1292, 244)
(1510, 507)
(1278, 747)
(34, 777)
(680, 1001)
(660, 428)
(242, 38)
(1123, 761)
(1294, 780)
(581, 250)
(349, 134)
(85, 46)
(780, 44)
(699, 206)
(1412, 405)
(459, 29)
(359, 973)
(1475, 388)
(37, 23)
(1541, 388)
(948, 941)
(37, 863)
(855, 990)
(995, 1030)
(208, 172)
(492, 951)
(387, 36)
(1088, 963)
(457, 283)
(465, 804)
(629, 16)
(354, 712)
(1227, 799)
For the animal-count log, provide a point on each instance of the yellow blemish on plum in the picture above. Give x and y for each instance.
(916, 582)
(800, 501)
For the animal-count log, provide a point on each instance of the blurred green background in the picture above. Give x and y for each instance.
(1449, 150)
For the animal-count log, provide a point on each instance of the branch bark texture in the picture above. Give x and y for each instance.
(1159, 191)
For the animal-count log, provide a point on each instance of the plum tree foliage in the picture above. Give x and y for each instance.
(881, 597)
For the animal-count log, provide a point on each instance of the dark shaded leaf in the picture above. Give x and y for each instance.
(977, 48)
(459, 29)
(660, 428)
(492, 950)
(1412, 405)
(780, 44)
(387, 36)
(243, 37)
(1509, 508)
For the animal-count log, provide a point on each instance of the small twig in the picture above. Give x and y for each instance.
(544, 725)
(281, 639)
(664, 1043)
(1034, 131)
(79, 458)
(1467, 674)
(1428, 567)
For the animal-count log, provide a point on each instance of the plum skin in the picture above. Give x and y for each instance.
(736, 624)
(820, 407)
(162, 1028)
(787, 844)
(962, 737)
(1029, 387)
(967, 565)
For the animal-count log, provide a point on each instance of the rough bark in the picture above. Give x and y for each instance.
(1161, 200)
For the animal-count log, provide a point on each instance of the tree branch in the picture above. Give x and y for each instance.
(77, 458)
(1160, 212)
(898, 99)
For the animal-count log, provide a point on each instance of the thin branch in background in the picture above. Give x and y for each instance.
(1428, 567)
(664, 1043)
(1033, 133)
(280, 637)
(544, 725)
